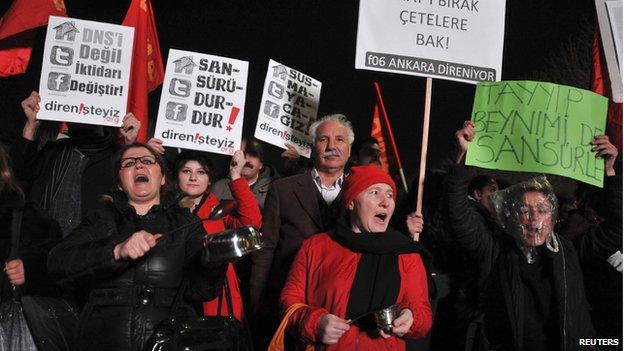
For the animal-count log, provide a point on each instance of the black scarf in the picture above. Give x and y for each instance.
(377, 280)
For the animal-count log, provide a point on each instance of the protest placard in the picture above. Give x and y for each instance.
(289, 105)
(459, 40)
(538, 127)
(85, 71)
(202, 102)
(609, 18)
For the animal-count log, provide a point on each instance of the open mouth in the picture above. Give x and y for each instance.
(381, 216)
(141, 178)
(534, 229)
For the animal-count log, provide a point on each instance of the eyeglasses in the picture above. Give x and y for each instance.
(144, 160)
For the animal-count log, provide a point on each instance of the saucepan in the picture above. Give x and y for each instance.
(383, 317)
(232, 244)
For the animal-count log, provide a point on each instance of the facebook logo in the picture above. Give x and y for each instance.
(58, 81)
(62, 56)
(271, 109)
(176, 111)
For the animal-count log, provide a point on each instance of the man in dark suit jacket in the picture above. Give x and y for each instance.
(299, 206)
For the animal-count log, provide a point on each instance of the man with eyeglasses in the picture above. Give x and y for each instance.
(68, 176)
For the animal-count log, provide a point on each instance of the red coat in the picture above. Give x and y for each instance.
(248, 213)
(322, 275)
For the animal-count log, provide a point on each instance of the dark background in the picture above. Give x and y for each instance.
(545, 40)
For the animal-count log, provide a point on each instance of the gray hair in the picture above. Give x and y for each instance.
(340, 118)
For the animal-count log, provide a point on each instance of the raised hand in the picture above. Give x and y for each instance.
(157, 145)
(236, 164)
(463, 137)
(30, 106)
(603, 148)
(130, 128)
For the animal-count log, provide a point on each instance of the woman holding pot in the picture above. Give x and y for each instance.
(193, 172)
(361, 266)
(124, 258)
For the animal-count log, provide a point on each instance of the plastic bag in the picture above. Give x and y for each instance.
(14, 332)
(528, 212)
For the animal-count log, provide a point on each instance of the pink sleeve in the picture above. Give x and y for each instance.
(248, 212)
(303, 321)
(416, 295)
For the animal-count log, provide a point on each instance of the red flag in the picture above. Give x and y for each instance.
(17, 31)
(377, 133)
(601, 85)
(147, 71)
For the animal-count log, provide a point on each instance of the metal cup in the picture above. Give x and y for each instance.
(384, 317)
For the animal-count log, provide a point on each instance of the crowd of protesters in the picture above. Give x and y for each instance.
(485, 266)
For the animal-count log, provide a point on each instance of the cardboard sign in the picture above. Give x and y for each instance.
(609, 16)
(202, 102)
(538, 127)
(85, 72)
(290, 101)
(447, 39)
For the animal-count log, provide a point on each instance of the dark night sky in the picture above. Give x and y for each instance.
(318, 38)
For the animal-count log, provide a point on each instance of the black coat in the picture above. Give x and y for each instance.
(38, 235)
(291, 214)
(498, 256)
(127, 299)
(43, 169)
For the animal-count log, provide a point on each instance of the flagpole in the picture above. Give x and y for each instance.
(394, 147)
(423, 148)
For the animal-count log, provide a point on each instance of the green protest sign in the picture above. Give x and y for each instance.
(538, 127)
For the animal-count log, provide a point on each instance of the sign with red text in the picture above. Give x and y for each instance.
(202, 102)
(289, 105)
(460, 40)
(85, 71)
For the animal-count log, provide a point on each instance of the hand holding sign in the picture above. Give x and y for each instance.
(130, 128)
(463, 137)
(603, 148)
(290, 153)
(30, 106)
(157, 145)
(236, 164)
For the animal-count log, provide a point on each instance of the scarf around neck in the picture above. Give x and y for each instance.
(377, 279)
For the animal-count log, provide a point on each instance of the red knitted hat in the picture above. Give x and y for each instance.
(360, 178)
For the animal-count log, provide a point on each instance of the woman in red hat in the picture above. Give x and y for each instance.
(361, 266)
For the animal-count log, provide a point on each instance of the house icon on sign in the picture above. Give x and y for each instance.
(66, 31)
(279, 71)
(184, 65)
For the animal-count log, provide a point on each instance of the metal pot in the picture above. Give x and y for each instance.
(385, 317)
(231, 244)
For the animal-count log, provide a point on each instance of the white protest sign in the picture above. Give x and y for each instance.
(85, 71)
(202, 102)
(460, 40)
(289, 105)
(609, 15)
